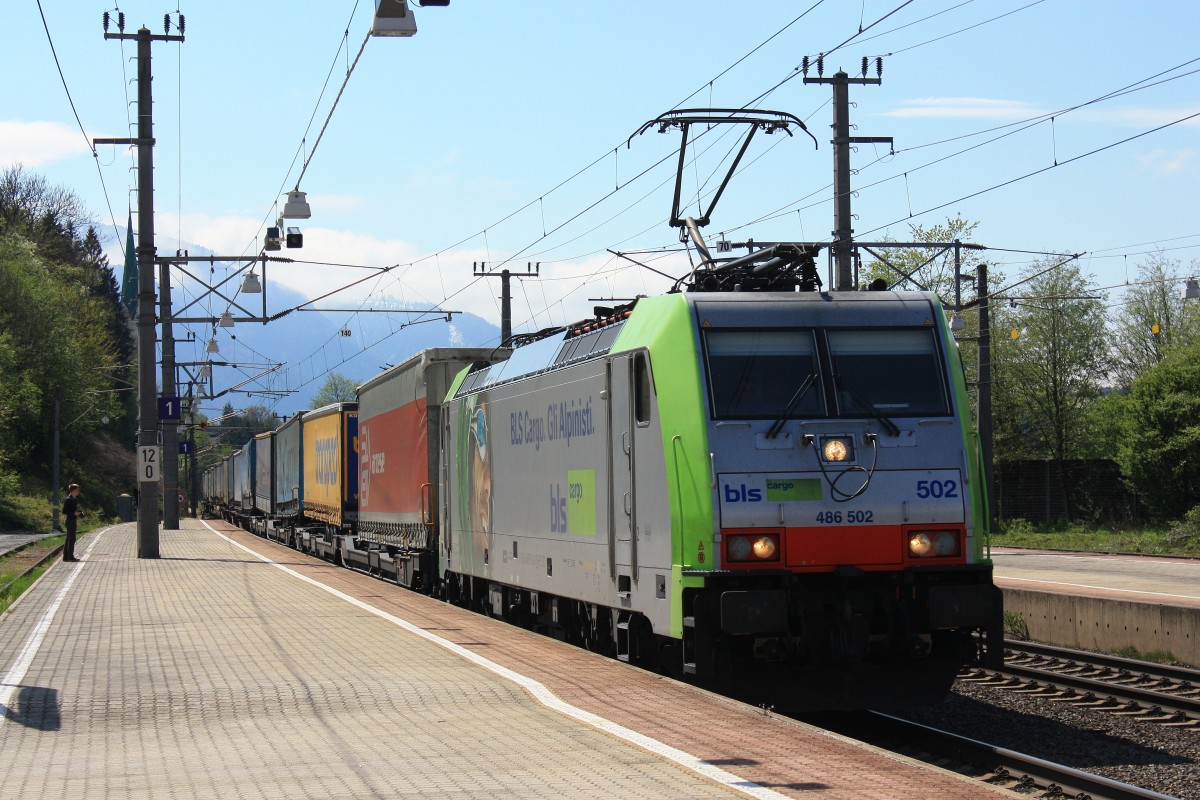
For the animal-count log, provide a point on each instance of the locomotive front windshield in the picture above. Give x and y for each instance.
(892, 372)
(757, 374)
(768, 374)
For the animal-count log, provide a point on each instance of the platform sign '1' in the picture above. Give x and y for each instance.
(147, 464)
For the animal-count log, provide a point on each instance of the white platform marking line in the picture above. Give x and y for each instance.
(1104, 588)
(540, 692)
(16, 673)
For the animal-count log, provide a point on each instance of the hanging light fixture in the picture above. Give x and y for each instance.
(212, 346)
(205, 372)
(393, 18)
(296, 206)
(273, 240)
(250, 285)
(226, 320)
(956, 322)
(1191, 290)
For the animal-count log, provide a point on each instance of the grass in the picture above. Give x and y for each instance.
(1015, 626)
(18, 588)
(1153, 656)
(14, 564)
(1088, 538)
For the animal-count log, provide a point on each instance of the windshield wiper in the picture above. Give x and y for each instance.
(866, 406)
(801, 390)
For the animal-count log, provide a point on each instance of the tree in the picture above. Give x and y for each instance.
(239, 428)
(928, 268)
(1164, 432)
(1153, 319)
(1045, 379)
(63, 338)
(336, 389)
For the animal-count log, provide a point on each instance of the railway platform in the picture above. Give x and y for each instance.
(1106, 602)
(235, 667)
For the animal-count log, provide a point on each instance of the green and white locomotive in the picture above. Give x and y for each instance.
(776, 491)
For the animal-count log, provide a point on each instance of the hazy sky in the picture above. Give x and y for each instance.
(499, 132)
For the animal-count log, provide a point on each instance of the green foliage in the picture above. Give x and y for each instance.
(1045, 380)
(1105, 427)
(1164, 441)
(1185, 533)
(1015, 626)
(1153, 656)
(1153, 300)
(238, 428)
(1087, 538)
(336, 389)
(62, 336)
(928, 268)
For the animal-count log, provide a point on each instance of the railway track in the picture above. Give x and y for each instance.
(995, 765)
(1138, 689)
(9, 580)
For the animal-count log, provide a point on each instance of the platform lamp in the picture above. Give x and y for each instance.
(1191, 290)
(211, 347)
(393, 18)
(251, 284)
(226, 320)
(296, 206)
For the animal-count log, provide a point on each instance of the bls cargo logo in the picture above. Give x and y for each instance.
(742, 494)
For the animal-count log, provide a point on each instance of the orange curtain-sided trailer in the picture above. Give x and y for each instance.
(330, 440)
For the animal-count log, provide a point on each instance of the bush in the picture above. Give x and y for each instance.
(1185, 533)
(1014, 527)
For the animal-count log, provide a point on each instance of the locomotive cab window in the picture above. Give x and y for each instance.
(892, 372)
(641, 390)
(762, 374)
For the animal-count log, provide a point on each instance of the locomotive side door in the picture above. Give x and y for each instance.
(621, 460)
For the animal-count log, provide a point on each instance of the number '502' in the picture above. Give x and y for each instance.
(937, 489)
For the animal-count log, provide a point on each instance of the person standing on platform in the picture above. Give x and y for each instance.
(72, 512)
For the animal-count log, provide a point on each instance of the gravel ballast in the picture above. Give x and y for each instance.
(1163, 758)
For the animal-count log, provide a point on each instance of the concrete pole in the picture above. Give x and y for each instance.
(147, 524)
(193, 474)
(170, 433)
(505, 307)
(843, 233)
(985, 383)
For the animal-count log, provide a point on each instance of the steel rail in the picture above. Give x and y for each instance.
(1149, 699)
(1010, 764)
(41, 563)
(1179, 674)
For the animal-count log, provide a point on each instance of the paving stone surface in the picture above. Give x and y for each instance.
(211, 673)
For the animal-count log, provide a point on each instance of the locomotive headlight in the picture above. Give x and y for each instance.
(836, 449)
(945, 543)
(739, 548)
(764, 547)
(932, 544)
(752, 547)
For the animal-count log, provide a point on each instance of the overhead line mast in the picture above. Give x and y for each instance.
(843, 233)
(149, 453)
